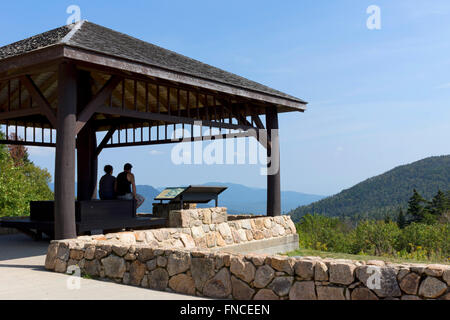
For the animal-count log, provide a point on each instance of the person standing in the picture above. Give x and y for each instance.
(126, 186)
(107, 184)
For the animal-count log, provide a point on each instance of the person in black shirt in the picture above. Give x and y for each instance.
(106, 185)
(126, 187)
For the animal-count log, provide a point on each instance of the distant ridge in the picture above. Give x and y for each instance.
(239, 199)
(242, 199)
(385, 193)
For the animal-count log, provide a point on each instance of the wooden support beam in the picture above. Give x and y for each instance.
(10, 96)
(151, 71)
(273, 168)
(262, 134)
(258, 122)
(86, 142)
(37, 96)
(186, 139)
(168, 118)
(65, 227)
(109, 122)
(105, 140)
(19, 113)
(146, 97)
(27, 143)
(34, 61)
(176, 85)
(43, 87)
(98, 100)
(234, 111)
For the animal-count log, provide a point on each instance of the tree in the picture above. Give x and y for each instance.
(445, 215)
(18, 153)
(401, 220)
(438, 204)
(448, 200)
(3, 150)
(20, 182)
(387, 218)
(415, 206)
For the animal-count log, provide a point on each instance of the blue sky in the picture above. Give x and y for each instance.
(377, 98)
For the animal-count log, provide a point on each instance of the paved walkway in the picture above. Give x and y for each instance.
(22, 276)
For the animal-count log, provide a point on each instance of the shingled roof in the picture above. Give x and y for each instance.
(89, 36)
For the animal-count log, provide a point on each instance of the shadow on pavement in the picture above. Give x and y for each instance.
(24, 266)
(19, 246)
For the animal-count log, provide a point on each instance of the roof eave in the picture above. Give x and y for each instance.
(16, 65)
(104, 60)
(13, 66)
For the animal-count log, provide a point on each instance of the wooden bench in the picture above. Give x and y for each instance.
(91, 215)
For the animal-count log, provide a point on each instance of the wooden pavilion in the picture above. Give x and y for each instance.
(61, 87)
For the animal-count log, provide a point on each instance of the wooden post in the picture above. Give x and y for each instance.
(87, 165)
(273, 168)
(65, 226)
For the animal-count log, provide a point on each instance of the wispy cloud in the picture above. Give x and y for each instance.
(444, 86)
(155, 152)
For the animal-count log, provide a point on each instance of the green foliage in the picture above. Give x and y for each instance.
(18, 153)
(439, 204)
(448, 201)
(323, 233)
(416, 208)
(384, 194)
(401, 220)
(3, 149)
(375, 237)
(428, 212)
(417, 241)
(387, 219)
(21, 182)
(433, 239)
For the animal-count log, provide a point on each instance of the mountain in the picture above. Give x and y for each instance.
(239, 199)
(149, 193)
(385, 193)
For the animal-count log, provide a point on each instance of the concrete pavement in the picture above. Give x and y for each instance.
(22, 276)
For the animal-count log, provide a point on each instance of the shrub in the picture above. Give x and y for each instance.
(419, 241)
(375, 238)
(323, 233)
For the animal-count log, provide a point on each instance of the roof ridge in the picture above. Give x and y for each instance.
(75, 27)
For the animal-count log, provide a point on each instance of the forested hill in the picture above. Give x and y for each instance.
(384, 194)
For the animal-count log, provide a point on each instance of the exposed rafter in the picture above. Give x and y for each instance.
(169, 118)
(37, 95)
(105, 140)
(98, 100)
(178, 140)
(27, 143)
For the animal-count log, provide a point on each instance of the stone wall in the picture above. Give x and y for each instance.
(204, 229)
(163, 209)
(199, 258)
(197, 217)
(251, 276)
